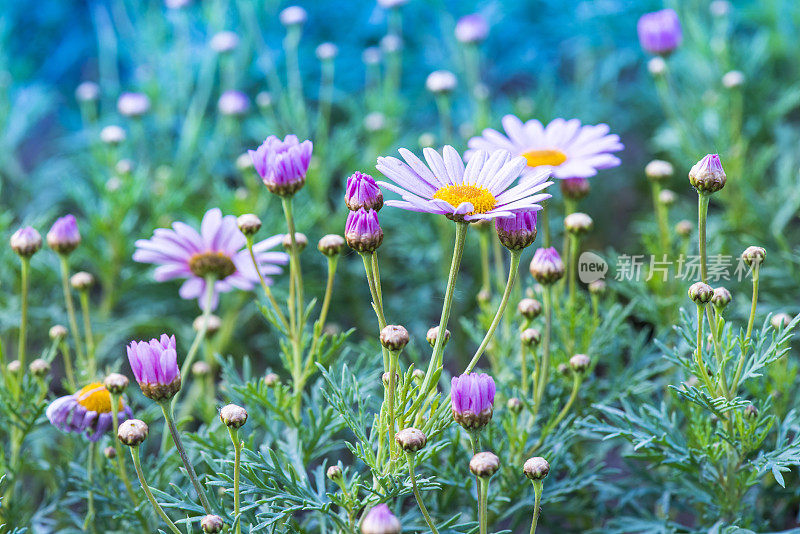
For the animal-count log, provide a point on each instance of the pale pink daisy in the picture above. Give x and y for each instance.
(565, 148)
(480, 190)
(218, 250)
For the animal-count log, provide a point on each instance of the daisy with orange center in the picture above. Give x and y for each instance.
(87, 411)
(481, 189)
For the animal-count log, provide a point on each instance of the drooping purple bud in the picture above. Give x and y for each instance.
(660, 32)
(363, 192)
(282, 164)
(518, 231)
(472, 400)
(363, 231)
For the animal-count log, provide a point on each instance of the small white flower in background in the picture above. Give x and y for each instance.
(293, 16)
(441, 81)
(719, 8)
(263, 99)
(657, 66)
(224, 42)
(371, 55)
(391, 4)
(374, 121)
(112, 135)
(87, 92)
(327, 51)
(733, 79)
(177, 4)
(391, 43)
(133, 104)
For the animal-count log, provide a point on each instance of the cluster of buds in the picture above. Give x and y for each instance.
(364, 199)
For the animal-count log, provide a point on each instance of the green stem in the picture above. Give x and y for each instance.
(326, 303)
(139, 473)
(577, 380)
(699, 354)
(176, 437)
(73, 323)
(512, 276)
(486, 284)
(544, 223)
(87, 329)
(23, 321)
(422, 508)
(198, 338)
(264, 286)
(750, 321)
(661, 217)
(88, 522)
(573, 263)
(544, 368)
(237, 457)
(538, 485)
(393, 357)
(123, 475)
(483, 505)
(702, 212)
(65, 353)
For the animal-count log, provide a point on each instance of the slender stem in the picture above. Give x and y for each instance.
(264, 286)
(376, 301)
(548, 322)
(23, 320)
(65, 353)
(326, 303)
(750, 321)
(544, 222)
(295, 257)
(523, 354)
(237, 457)
(699, 354)
(73, 323)
(573, 262)
(662, 218)
(483, 237)
(512, 276)
(483, 506)
(198, 338)
(393, 357)
(577, 380)
(87, 330)
(537, 491)
(176, 437)
(296, 309)
(422, 508)
(90, 511)
(702, 212)
(123, 475)
(139, 473)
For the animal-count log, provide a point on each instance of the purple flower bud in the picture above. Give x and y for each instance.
(26, 242)
(233, 103)
(707, 176)
(155, 367)
(133, 104)
(380, 520)
(472, 400)
(362, 231)
(518, 231)
(64, 236)
(660, 32)
(574, 188)
(363, 192)
(546, 266)
(472, 28)
(282, 165)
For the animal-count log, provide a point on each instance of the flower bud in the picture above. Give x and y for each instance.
(529, 308)
(58, 332)
(707, 175)
(394, 337)
(536, 468)
(518, 231)
(362, 230)
(14, 366)
(660, 32)
(380, 520)
(472, 29)
(233, 103)
(271, 380)
(386, 376)
(233, 416)
(411, 439)
(213, 324)
(484, 464)
(133, 104)
(750, 412)
(335, 473)
(574, 188)
(212, 524)
(433, 333)
(39, 368)
(132, 432)
(578, 223)
(418, 375)
(657, 66)
(780, 320)
(546, 266)
(362, 192)
(224, 42)
(754, 255)
(300, 241)
(249, 224)
(667, 197)
(659, 170)
(472, 400)
(331, 245)
(441, 82)
(733, 79)
(721, 298)
(597, 287)
(580, 363)
(564, 370)
(514, 405)
(484, 296)
(293, 16)
(113, 135)
(64, 236)
(701, 293)
(81, 281)
(116, 383)
(110, 452)
(201, 369)
(530, 337)
(87, 92)
(326, 51)
(684, 228)
(25, 242)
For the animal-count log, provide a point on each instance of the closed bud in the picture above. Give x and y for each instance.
(394, 337)
(331, 245)
(110, 452)
(201, 369)
(701, 293)
(14, 366)
(667, 197)
(484, 296)
(529, 308)
(574, 188)
(212, 524)
(721, 298)
(754, 256)
(132, 432)
(514, 405)
(233, 416)
(536, 468)
(433, 333)
(578, 223)
(116, 383)
(659, 170)
(580, 363)
(25, 242)
(300, 241)
(657, 66)
(213, 324)
(418, 376)
(564, 370)
(362, 230)
(81, 281)
(385, 379)
(411, 439)
(249, 224)
(58, 332)
(380, 520)
(39, 368)
(530, 337)
(750, 412)
(684, 228)
(484, 464)
(546, 266)
(780, 320)
(335, 473)
(707, 175)
(271, 380)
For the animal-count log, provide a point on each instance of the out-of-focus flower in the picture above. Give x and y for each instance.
(371, 55)
(563, 148)
(113, 135)
(719, 8)
(391, 4)
(155, 367)
(282, 165)
(64, 236)
(657, 66)
(88, 411)
(380, 520)
(87, 92)
(733, 79)
(233, 103)
(578, 223)
(472, 28)
(362, 192)
(362, 231)
(518, 231)
(391, 43)
(327, 51)
(659, 170)
(177, 4)
(547, 266)
(133, 104)
(441, 81)
(660, 32)
(472, 400)
(223, 42)
(707, 175)
(263, 99)
(481, 190)
(374, 121)
(26, 241)
(293, 16)
(182, 252)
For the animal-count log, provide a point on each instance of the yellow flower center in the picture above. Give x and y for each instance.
(96, 398)
(480, 197)
(537, 158)
(216, 263)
